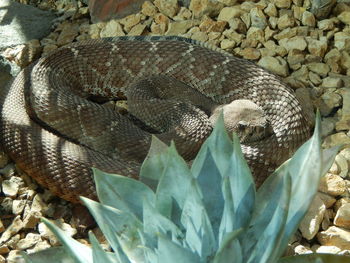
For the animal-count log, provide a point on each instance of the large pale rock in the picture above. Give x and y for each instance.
(180, 27)
(335, 236)
(205, 7)
(342, 41)
(342, 218)
(112, 29)
(332, 184)
(257, 18)
(282, 3)
(46, 233)
(345, 17)
(336, 139)
(310, 224)
(228, 13)
(344, 122)
(21, 23)
(148, 9)
(276, 65)
(308, 19)
(285, 21)
(329, 101)
(167, 7)
(317, 47)
(297, 42)
(321, 69)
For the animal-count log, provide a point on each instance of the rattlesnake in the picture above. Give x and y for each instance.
(55, 135)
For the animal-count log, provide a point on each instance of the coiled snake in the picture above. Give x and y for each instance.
(175, 88)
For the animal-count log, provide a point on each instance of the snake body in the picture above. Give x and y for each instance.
(55, 134)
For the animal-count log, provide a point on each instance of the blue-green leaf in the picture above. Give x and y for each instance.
(122, 192)
(230, 249)
(170, 252)
(121, 229)
(77, 251)
(98, 254)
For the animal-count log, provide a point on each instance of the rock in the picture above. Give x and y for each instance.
(18, 206)
(148, 9)
(227, 44)
(4, 249)
(130, 21)
(255, 34)
(327, 126)
(167, 7)
(317, 47)
(282, 3)
(276, 65)
(12, 229)
(335, 236)
(200, 36)
(180, 27)
(331, 82)
(342, 41)
(304, 97)
(310, 224)
(326, 24)
(209, 25)
(297, 42)
(336, 139)
(137, 30)
(328, 249)
(314, 78)
(10, 187)
(345, 17)
(344, 122)
(271, 10)
(329, 101)
(183, 14)
(300, 250)
(322, 8)
(47, 234)
(286, 33)
(112, 29)
(257, 18)
(321, 69)
(308, 19)
(250, 53)
(332, 184)
(31, 219)
(205, 7)
(328, 200)
(41, 245)
(68, 33)
(30, 240)
(228, 13)
(285, 21)
(14, 256)
(33, 23)
(342, 164)
(342, 218)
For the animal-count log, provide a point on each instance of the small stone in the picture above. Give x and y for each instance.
(308, 19)
(317, 47)
(342, 163)
(227, 44)
(321, 69)
(148, 9)
(257, 18)
(31, 219)
(180, 27)
(285, 21)
(276, 65)
(255, 34)
(2, 228)
(10, 187)
(14, 256)
(328, 200)
(12, 229)
(326, 24)
(329, 101)
(328, 249)
(335, 236)
(46, 233)
(327, 126)
(228, 13)
(4, 249)
(332, 184)
(29, 241)
(69, 32)
(130, 21)
(209, 25)
(282, 3)
(251, 53)
(286, 33)
(342, 41)
(314, 78)
(232, 35)
(342, 218)
(200, 36)
(310, 224)
(112, 29)
(205, 7)
(297, 42)
(336, 139)
(18, 206)
(331, 82)
(345, 17)
(137, 30)
(271, 10)
(301, 250)
(41, 245)
(167, 7)
(183, 14)
(343, 123)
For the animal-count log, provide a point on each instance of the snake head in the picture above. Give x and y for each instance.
(245, 118)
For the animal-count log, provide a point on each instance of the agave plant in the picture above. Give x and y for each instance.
(210, 212)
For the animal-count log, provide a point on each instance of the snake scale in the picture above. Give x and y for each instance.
(55, 126)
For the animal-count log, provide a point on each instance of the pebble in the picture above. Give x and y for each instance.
(342, 218)
(276, 65)
(335, 236)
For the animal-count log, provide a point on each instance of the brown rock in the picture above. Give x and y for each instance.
(342, 218)
(112, 29)
(308, 19)
(332, 184)
(250, 53)
(205, 7)
(167, 7)
(148, 9)
(335, 236)
(285, 21)
(228, 13)
(345, 17)
(276, 65)
(209, 25)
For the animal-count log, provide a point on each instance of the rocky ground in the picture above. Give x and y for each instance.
(308, 46)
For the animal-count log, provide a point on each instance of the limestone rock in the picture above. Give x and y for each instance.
(320, 68)
(344, 122)
(112, 29)
(167, 7)
(257, 18)
(329, 101)
(12, 229)
(282, 3)
(276, 65)
(285, 21)
(345, 17)
(297, 42)
(317, 47)
(46, 233)
(342, 218)
(333, 185)
(180, 27)
(148, 9)
(205, 7)
(271, 10)
(342, 41)
(69, 31)
(335, 236)
(310, 224)
(228, 13)
(336, 139)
